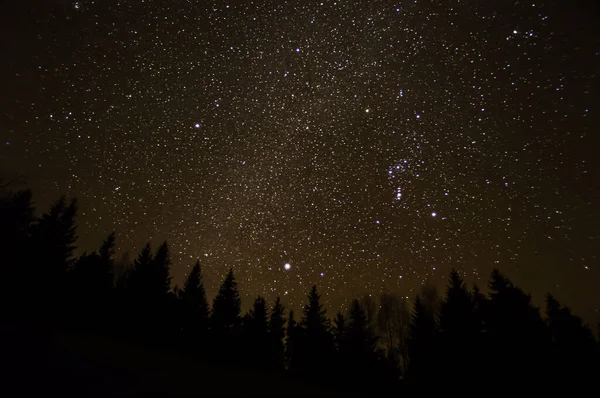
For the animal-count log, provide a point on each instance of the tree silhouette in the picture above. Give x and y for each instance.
(339, 331)
(147, 292)
(195, 311)
(277, 335)
(573, 345)
(16, 213)
(516, 335)
(423, 345)
(360, 337)
(369, 306)
(161, 268)
(292, 343)
(460, 332)
(226, 320)
(140, 271)
(256, 334)
(317, 342)
(393, 320)
(53, 237)
(92, 282)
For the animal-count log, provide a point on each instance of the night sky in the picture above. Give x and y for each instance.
(369, 145)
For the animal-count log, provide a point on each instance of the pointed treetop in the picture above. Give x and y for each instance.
(107, 250)
(144, 258)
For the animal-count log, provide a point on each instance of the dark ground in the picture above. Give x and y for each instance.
(37, 361)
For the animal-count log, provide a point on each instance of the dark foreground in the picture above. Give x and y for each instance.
(64, 364)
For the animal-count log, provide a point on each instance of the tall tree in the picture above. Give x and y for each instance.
(139, 274)
(107, 258)
(317, 342)
(360, 339)
(194, 306)
(516, 335)
(339, 331)
(16, 213)
(53, 239)
(460, 331)
(226, 320)
(358, 350)
(277, 335)
(161, 269)
(369, 306)
(92, 283)
(574, 356)
(256, 334)
(423, 345)
(292, 343)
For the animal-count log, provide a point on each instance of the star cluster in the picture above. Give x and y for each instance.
(365, 146)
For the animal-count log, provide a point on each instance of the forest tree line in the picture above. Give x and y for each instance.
(465, 337)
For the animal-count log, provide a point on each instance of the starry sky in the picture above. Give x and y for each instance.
(365, 146)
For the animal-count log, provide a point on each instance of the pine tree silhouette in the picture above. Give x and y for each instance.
(359, 337)
(256, 334)
(573, 346)
(423, 346)
(92, 283)
(161, 268)
(226, 319)
(140, 272)
(195, 311)
(53, 237)
(277, 335)
(316, 354)
(460, 332)
(148, 294)
(16, 213)
(292, 344)
(516, 335)
(339, 331)
(358, 349)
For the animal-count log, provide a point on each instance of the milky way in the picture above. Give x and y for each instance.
(365, 146)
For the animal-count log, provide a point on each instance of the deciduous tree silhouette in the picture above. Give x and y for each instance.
(393, 320)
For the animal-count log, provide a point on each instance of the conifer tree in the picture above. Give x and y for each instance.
(53, 242)
(459, 331)
(339, 331)
(226, 319)
(194, 306)
(256, 334)
(517, 338)
(422, 345)
(574, 359)
(277, 335)
(317, 342)
(16, 215)
(292, 344)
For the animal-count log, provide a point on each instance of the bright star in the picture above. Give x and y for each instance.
(287, 266)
